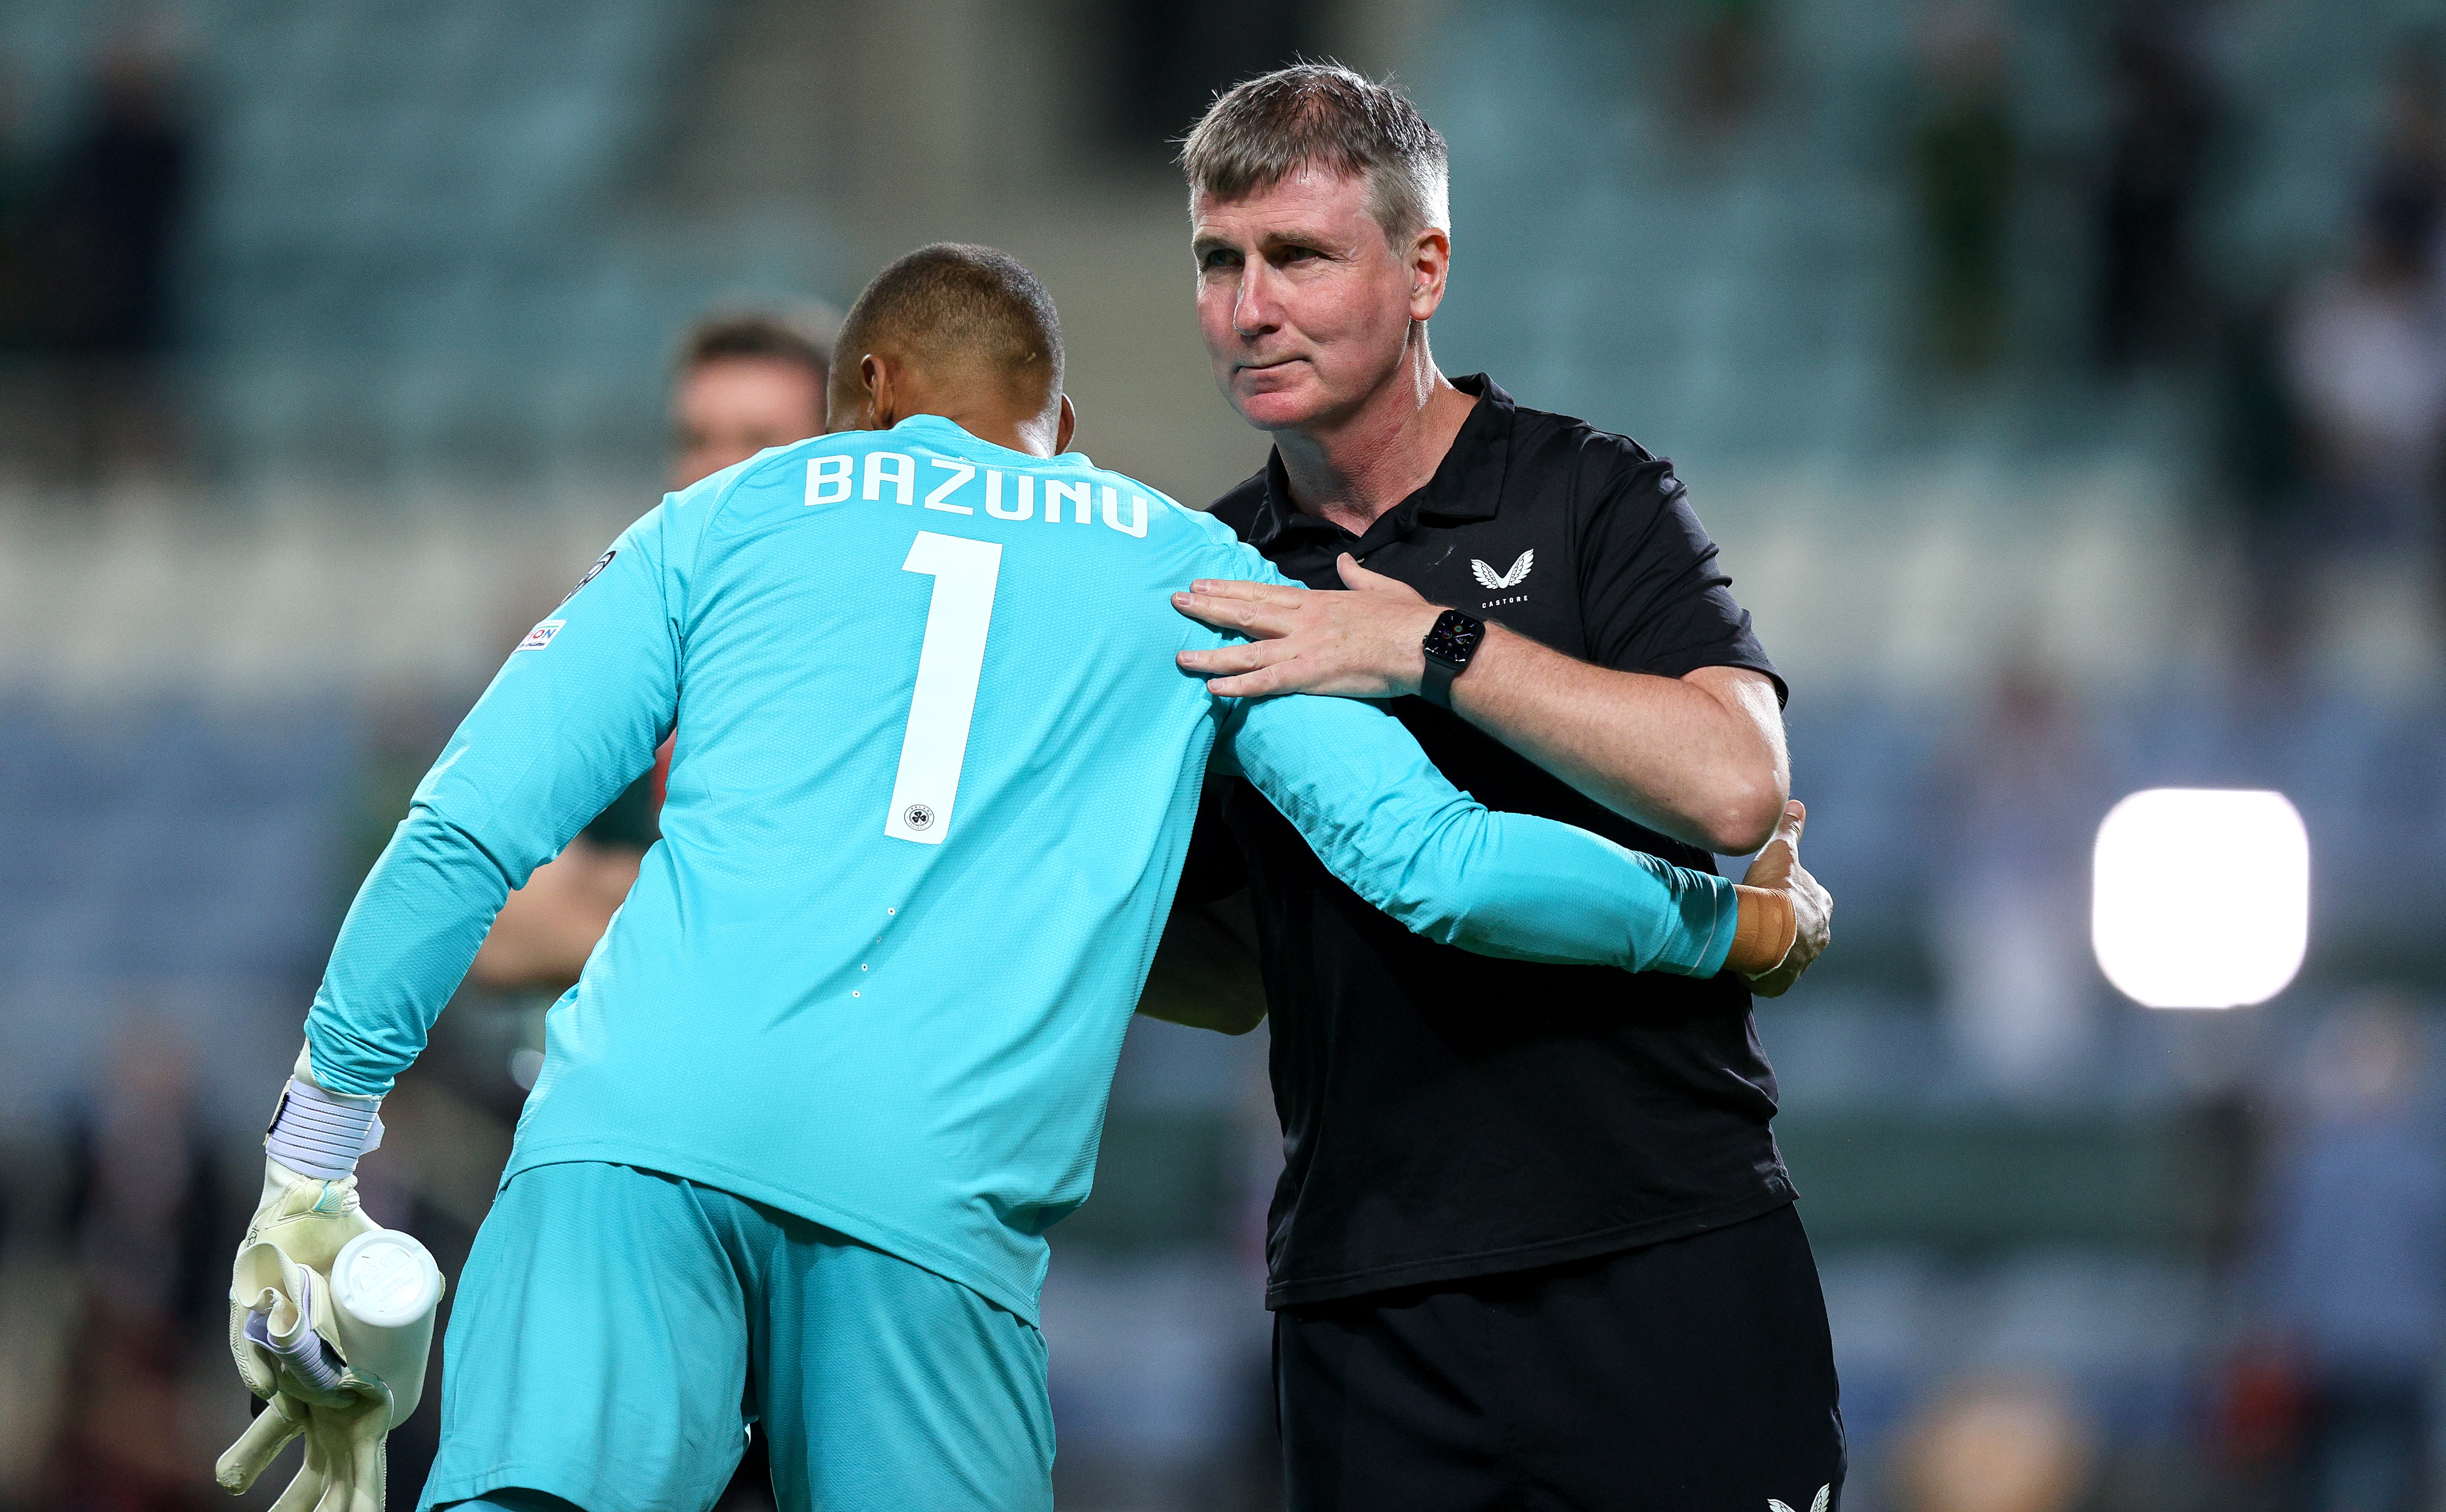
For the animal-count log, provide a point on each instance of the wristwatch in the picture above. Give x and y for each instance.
(1448, 644)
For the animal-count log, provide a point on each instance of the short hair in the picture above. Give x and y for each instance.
(802, 335)
(952, 307)
(1262, 130)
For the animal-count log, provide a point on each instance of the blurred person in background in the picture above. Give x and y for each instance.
(1964, 156)
(1727, 52)
(21, 199)
(2353, 1259)
(1554, 1246)
(143, 1209)
(2164, 116)
(2367, 367)
(2262, 471)
(116, 228)
(23, 402)
(2022, 797)
(2337, 410)
(2412, 157)
(748, 380)
(745, 380)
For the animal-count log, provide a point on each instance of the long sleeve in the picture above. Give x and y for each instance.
(1382, 819)
(570, 719)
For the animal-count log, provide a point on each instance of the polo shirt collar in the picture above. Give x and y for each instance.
(1468, 484)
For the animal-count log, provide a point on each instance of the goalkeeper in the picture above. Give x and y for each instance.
(843, 1057)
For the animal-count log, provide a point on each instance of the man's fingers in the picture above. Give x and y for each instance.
(1777, 858)
(1236, 614)
(1355, 576)
(1223, 660)
(1814, 919)
(1796, 818)
(1263, 684)
(1226, 588)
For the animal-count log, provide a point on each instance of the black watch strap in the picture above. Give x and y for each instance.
(1448, 647)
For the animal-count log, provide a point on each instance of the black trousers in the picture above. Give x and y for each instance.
(1689, 1376)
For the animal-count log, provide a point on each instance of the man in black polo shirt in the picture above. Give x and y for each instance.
(1533, 1245)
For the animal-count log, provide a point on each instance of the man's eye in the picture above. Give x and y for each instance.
(1219, 257)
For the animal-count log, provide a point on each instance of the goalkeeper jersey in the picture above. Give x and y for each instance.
(932, 778)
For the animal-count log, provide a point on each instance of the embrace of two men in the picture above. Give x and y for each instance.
(840, 1059)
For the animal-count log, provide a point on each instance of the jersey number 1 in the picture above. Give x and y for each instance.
(936, 741)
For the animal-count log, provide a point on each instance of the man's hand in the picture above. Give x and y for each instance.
(1777, 873)
(1359, 644)
(1699, 757)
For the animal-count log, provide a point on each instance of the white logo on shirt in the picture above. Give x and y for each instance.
(1489, 578)
(1818, 1505)
(540, 636)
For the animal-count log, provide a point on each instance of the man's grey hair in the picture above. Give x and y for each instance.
(1262, 130)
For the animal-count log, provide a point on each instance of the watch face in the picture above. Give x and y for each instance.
(1455, 638)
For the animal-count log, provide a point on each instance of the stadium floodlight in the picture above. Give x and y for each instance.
(2201, 896)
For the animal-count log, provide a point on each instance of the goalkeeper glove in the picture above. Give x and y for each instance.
(331, 1315)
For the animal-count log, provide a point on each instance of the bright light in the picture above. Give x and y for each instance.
(2201, 897)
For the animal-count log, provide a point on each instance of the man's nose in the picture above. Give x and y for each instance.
(1255, 310)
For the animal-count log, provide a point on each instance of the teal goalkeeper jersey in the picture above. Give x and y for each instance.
(932, 777)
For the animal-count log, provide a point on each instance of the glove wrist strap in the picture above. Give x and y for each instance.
(317, 1134)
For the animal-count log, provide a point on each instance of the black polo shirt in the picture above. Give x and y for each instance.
(1449, 1115)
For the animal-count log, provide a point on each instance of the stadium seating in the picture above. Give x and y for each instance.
(411, 217)
(1724, 297)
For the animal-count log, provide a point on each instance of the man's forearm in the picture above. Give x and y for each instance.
(1397, 833)
(1700, 758)
(547, 929)
(405, 944)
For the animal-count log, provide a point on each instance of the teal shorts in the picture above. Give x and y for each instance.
(616, 1330)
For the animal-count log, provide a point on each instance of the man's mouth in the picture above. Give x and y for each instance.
(1270, 366)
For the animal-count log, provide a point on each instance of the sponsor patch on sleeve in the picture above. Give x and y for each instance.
(542, 635)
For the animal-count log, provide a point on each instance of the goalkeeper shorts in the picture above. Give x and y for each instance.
(616, 1331)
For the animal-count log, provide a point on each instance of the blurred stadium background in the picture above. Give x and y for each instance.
(2065, 380)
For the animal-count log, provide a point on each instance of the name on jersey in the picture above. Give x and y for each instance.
(1005, 496)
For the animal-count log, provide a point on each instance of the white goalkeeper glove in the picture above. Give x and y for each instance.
(331, 1314)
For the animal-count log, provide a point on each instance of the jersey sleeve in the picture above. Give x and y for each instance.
(570, 719)
(1382, 817)
(1652, 593)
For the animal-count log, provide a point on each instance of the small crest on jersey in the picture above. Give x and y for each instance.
(542, 635)
(591, 574)
(917, 817)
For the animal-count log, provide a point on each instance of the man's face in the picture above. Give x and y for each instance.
(1304, 304)
(728, 410)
